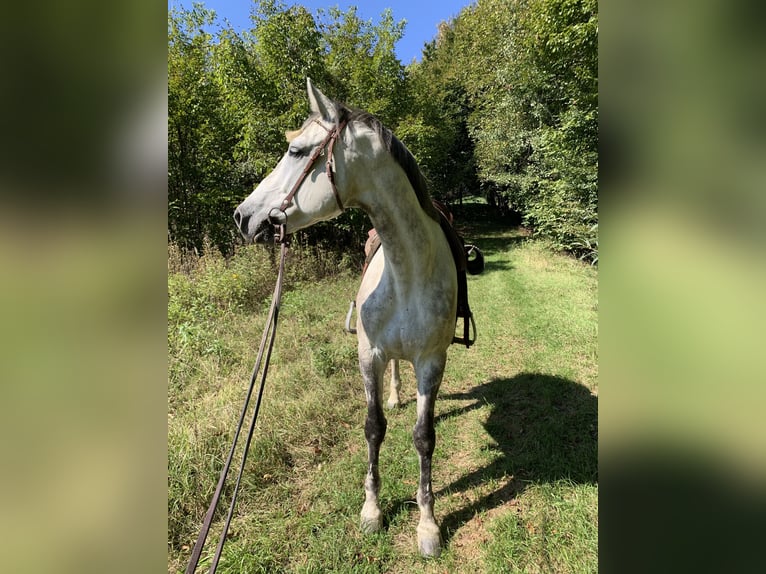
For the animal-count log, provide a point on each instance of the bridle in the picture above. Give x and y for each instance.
(329, 143)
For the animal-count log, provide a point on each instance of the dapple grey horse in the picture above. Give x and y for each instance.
(407, 299)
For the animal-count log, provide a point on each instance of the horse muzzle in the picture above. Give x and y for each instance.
(251, 230)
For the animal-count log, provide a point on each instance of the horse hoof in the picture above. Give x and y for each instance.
(370, 525)
(429, 542)
(393, 404)
(371, 521)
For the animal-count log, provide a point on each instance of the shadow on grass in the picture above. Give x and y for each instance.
(544, 429)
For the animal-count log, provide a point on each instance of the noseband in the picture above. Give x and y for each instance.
(329, 143)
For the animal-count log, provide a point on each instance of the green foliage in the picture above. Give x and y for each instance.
(436, 128)
(504, 104)
(361, 63)
(525, 73)
(202, 134)
(546, 94)
(231, 96)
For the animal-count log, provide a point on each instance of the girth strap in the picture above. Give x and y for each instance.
(457, 247)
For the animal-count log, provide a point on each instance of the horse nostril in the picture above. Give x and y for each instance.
(241, 221)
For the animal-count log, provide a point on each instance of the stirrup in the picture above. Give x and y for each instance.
(349, 328)
(467, 341)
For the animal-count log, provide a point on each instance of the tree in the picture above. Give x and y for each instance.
(436, 130)
(232, 96)
(202, 134)
(530, 74)
(504, 101)
(557, 53)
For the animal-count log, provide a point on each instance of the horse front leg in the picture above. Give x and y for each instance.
(424, 436)
(396, 384)
(373, 372)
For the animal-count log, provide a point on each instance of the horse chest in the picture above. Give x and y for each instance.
(402, 323)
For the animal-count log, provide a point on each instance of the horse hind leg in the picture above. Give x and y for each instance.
(424, 437)
(373, 372)
(396, 385)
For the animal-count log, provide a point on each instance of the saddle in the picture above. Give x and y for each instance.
(459, 254)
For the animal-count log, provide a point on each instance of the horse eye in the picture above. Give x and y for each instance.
(295, 152)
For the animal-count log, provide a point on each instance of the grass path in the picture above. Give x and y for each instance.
(515, 469)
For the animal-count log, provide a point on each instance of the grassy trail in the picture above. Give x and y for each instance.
(515, 469)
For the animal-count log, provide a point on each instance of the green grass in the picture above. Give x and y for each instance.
(515, 470)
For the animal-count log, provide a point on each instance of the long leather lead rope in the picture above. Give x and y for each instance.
(269, 333)
(264, 356)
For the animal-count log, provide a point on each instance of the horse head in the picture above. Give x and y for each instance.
(307, 185)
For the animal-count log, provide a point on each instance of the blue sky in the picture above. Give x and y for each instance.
(422, 16)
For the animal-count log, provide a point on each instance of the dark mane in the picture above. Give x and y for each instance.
(399, 152)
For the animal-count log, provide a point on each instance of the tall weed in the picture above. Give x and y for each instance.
(213, 303)
(206, 288)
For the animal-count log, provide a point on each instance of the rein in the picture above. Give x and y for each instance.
(264, 355)
(264, 350)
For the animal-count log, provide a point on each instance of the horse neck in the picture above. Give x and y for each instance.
(409, 236)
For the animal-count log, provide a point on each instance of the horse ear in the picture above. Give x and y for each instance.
(320, 104)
